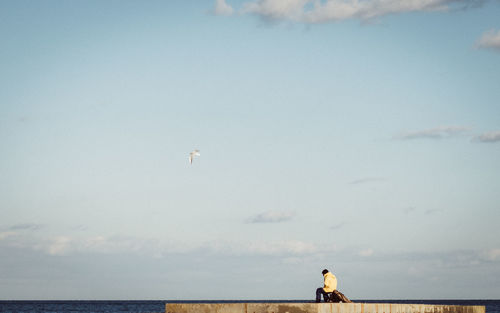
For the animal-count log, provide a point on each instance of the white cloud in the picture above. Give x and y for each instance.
(64, 245)
(277, 9)
(4, 235)
(492, 255)
(222, 8)
(322, 11)
(172, 275)
(489, 40)
(276, 248)
(290, 251)
(100, 244)
(434, 133)
(59, 245)
(272, 217)
(293, 247)
(366, 252)
(127, 244)
(334, 10)
(493, 136)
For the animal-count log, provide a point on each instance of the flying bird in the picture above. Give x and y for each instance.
(192, 155)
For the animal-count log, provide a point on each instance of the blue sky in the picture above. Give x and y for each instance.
(363, 137)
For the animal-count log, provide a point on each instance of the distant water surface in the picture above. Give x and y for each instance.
(492, 306)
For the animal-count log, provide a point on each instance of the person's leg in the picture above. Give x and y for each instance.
(319, 291)
(326, 296)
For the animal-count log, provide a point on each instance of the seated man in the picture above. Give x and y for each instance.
(330, 285)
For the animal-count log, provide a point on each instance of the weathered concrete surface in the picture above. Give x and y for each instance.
(318, 308)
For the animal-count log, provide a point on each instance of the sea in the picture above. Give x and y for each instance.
(158, 306)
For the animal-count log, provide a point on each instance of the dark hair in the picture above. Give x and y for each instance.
(324, 271)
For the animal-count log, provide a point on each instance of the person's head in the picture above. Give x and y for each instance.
(324, 271)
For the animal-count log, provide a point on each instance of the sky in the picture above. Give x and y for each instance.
(361, 136)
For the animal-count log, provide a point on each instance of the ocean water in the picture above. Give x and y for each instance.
(492, 306)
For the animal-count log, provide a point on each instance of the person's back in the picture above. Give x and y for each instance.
(330, 284)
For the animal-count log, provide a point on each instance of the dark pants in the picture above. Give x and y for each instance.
(320, 292)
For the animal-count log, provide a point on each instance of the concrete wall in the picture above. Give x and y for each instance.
(318, 308)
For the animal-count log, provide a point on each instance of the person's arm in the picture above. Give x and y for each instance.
(330, 283)
(333, 285)
(327, 283)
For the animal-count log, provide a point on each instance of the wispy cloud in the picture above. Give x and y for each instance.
(64, 245)
(491, 255)
(315, 11)
(337, 226)
(67, 245)
(272, 217)
(409, 210)
(293, 247)
(432, 211)
(291, 10)
(60, 245)
(489, 40)
(488, 137)
(222, 8)
(6, 234)
(440, 132)
(26, 226)
(367, 180)
(444, 259)
(366, 252)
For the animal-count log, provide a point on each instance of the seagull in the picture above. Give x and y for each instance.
(192, 155)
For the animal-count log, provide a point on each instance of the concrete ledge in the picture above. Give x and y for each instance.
(318, 308)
